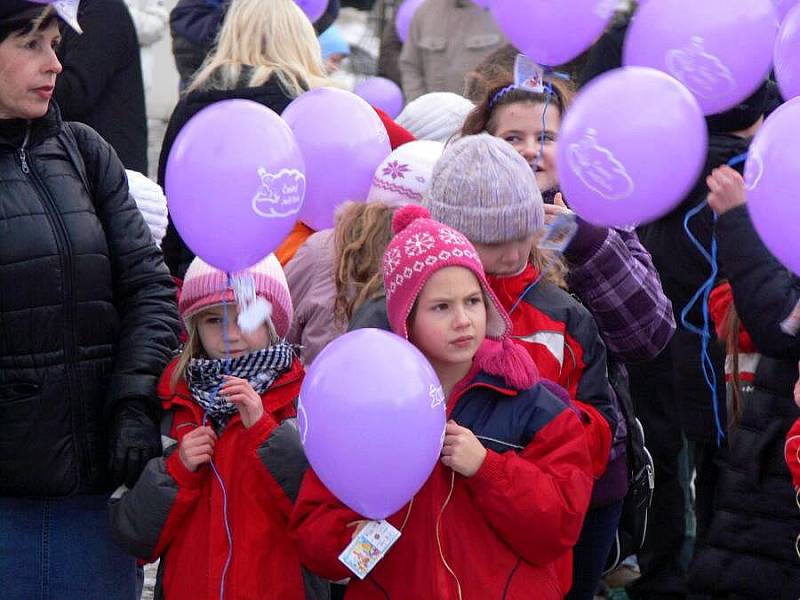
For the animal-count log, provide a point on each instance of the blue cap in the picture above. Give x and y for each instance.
(332, 42)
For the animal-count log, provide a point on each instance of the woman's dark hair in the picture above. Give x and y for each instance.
(27, 21)
(482, 117)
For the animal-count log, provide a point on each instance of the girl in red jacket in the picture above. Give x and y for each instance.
(509, 495)
(215, 507)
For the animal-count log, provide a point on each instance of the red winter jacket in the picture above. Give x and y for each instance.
(494, 535)
(563, 340)
(178, 515)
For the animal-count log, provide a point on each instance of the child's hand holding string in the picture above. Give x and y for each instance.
(555, 210)
(197, 448)
(462, 451)
(242, 395)
(726, 190)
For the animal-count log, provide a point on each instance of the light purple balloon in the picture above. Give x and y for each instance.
(631, 147)
(343, 141)
(403, 16)
(773, 186)
(383, 93)
(371, 417)
(787, 55)
(235, 181)
(552, 32)
(314, 9)
(782, 7)
(720, 49)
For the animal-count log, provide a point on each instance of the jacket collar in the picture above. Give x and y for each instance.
(508, 289)
(12, 131)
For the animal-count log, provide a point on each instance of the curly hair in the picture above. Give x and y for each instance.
(360, 237)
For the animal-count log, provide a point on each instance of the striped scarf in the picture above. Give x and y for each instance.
(205, 377)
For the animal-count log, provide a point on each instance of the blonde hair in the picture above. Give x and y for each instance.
(193, 348)
(269, 37)
(361, 235)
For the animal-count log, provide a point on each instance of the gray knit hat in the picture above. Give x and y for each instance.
(483, 188)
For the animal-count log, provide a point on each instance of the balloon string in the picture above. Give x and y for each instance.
(438, 541)
(704, 292)
(707, 365)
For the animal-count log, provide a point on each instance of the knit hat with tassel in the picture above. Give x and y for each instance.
(421, 247)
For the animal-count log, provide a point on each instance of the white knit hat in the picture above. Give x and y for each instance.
(404, 176)
(152, 203)
(436, 116)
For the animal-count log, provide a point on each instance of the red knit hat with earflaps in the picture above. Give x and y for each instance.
(421, 247)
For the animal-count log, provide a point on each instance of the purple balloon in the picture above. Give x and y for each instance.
(782, 7)
(720, 49)
(235, 182)
(552, 32)
(787, 55)
(630, 147)
(343, 141)
(383, 93)
(403, 16)
(314, 9)
(371, 417)
(773, 186)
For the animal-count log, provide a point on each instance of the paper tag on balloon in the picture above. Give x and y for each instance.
(528, 75)
(253, 310)
(559, 233)
(369, 547)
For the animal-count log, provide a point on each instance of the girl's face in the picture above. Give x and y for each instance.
(28, 70)
(449, 320)
(211, 328)
(520, 124)
(508, 258)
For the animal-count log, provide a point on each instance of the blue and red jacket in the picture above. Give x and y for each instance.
(502, 533)
(562, 338)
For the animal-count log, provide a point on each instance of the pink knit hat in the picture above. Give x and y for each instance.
(205, 286)
(421, 247)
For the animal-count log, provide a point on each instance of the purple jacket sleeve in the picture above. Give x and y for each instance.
(613, 275)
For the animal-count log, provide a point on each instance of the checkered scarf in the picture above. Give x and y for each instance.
(261, 369)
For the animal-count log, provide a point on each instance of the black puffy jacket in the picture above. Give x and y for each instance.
(750, 547)
(87, 308)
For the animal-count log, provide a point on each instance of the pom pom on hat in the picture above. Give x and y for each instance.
(407, 215)
(510, 361)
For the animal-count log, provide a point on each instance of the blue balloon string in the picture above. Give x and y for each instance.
(226, 369)
(704, 292)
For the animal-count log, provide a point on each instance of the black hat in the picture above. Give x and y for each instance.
(742, 116)
(17, 14)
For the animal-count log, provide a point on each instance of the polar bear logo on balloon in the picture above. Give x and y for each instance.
(701, 72)
(598, 168)
(280, 194)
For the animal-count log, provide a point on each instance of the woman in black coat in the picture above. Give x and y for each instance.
(268, 53)
(750, 550)
(87, 324)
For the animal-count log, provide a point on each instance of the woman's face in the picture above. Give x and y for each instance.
(520, 124)
(28, 70)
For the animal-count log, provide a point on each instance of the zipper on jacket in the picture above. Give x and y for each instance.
(77, 408)
(23, 161)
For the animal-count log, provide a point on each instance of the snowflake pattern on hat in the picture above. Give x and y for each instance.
(396, 170)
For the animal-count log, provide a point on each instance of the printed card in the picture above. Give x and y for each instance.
(369, 547)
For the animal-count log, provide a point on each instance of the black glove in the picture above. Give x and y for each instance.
(135, 439)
